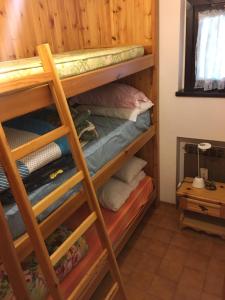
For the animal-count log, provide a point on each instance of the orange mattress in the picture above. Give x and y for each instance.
(116, 223)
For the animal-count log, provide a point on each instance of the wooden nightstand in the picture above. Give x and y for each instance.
(202, 209)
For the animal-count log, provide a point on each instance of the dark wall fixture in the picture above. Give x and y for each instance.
(212, 159)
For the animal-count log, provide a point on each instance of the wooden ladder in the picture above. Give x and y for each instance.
(8, 158)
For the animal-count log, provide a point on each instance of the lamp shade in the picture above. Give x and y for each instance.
(204, 146)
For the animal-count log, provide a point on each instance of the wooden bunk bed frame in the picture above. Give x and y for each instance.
(138, 72)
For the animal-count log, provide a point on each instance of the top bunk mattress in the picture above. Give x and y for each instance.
(71, 63)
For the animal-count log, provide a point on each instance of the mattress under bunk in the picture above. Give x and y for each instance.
(114, 136)
(71, 63)
(79, 260)
(117, 225)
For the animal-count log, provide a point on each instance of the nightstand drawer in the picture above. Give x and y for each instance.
(205, 208)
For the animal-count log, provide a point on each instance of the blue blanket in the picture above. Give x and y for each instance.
(17, 133)
(114, 135)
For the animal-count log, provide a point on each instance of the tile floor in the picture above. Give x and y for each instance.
(162, 262)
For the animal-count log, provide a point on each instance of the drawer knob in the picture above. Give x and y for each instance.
(203, 208)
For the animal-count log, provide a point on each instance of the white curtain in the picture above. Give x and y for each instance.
(210, 51)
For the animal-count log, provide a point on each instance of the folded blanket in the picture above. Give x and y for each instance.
(40, 177)
(85, 129)
(26, 128)
(35, 280)
(17, 134)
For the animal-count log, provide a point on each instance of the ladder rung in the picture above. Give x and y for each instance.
(25, 82)
(90, 275)
(39, 142)
(57, 193)
(113, 291)
(58, 254)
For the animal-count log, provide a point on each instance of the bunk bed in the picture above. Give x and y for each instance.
(137, 70)
(139, 136)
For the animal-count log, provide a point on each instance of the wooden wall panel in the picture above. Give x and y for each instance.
(71, 24)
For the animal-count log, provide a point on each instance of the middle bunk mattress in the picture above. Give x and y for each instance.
(113, 136)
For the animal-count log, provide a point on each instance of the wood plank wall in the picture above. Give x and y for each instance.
(71, 24)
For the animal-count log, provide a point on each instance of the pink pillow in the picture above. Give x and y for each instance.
(112, 95)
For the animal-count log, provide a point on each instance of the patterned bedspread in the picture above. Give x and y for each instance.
(35, 280)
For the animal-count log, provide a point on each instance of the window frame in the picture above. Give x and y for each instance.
(193, 7)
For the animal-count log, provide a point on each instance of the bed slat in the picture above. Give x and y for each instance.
(57, 193)
(90, 276)
(113, 291)
(25, 82)
(39, 142)
(9, 256)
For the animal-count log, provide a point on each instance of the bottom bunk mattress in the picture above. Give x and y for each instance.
(117, 225)
(82, 255)
(114, 135)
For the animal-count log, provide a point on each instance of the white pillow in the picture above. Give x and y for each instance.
(131, 169)
(114, 194)
(137, 179)
(120, 113)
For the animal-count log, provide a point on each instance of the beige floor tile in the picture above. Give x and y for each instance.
(176, 254)
(170, 223)
(141, 279)
(219, 251)
(157, 248)
(203, 245)
(162, 288)
(150, 297)
(205, 296)
(163, 262)
(182, 293)
(197, 261)
(170, 269)
(162, 235)
(149, 230)
(148, 262)
(182, 240)
(133, 293)
(192, 279)
(214, 284)
(216, 266)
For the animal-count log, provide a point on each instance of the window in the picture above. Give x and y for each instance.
(205, 48)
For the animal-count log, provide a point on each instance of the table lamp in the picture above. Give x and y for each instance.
(198, 182)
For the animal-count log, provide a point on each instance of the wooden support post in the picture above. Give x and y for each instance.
(11, 262)
(26, 211)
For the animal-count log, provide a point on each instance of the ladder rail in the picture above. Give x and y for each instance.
(66, 119)
(9, 256)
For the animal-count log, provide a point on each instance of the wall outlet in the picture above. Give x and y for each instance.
(204, 173)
